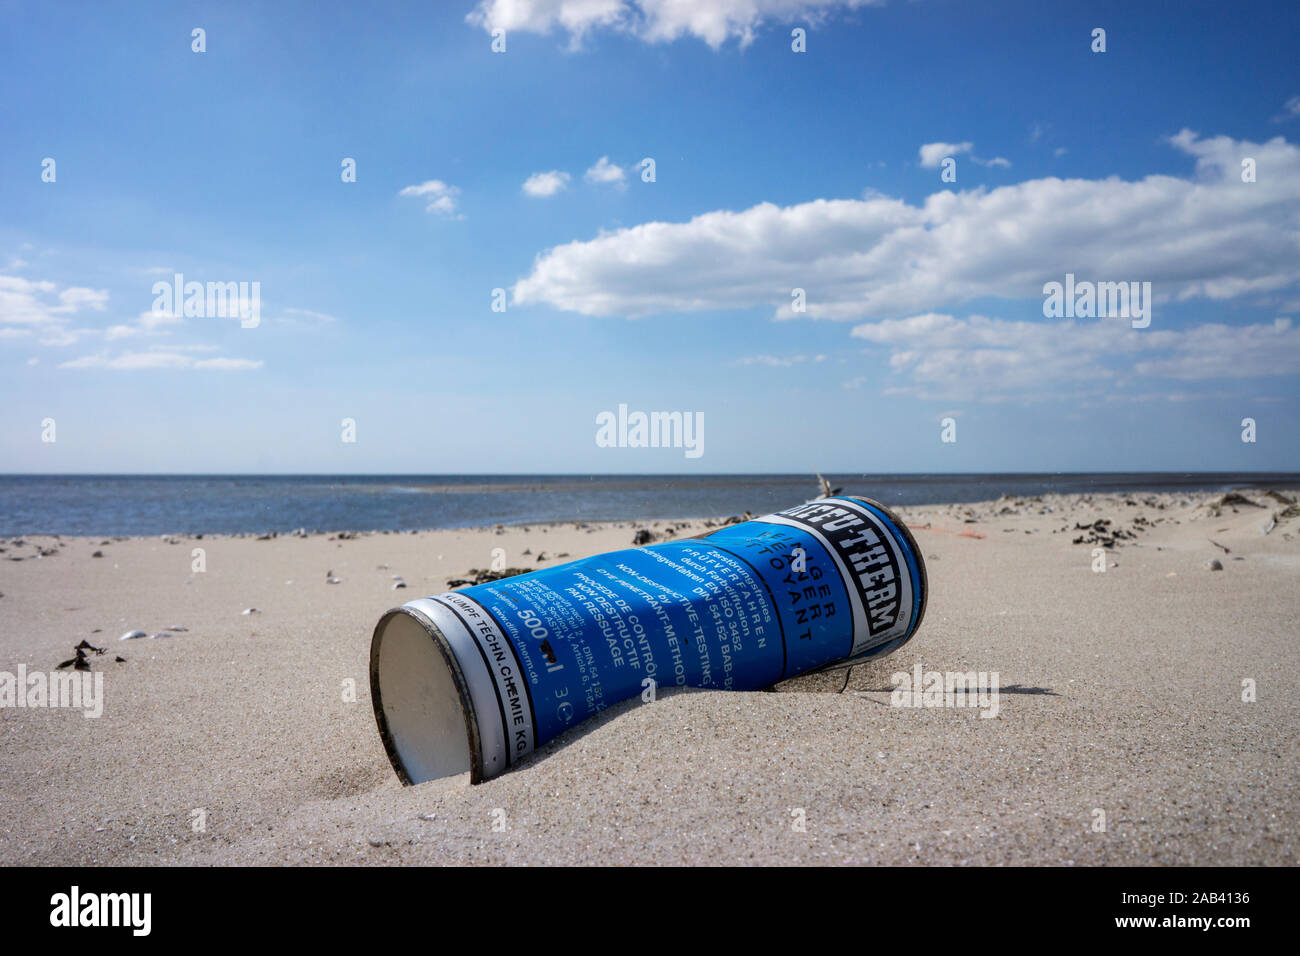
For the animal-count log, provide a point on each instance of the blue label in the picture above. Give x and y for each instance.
(740, 609)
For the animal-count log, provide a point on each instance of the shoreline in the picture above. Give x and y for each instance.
(982, 507)
(141, 506)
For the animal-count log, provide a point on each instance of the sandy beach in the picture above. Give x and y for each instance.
(237, 741)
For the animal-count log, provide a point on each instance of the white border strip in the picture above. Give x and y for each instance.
(492, 737)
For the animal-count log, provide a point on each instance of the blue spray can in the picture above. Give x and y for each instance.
(472, 681)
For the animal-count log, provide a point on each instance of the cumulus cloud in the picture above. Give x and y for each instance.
(1205, 235)
(542, 185)
(655, 21)
(604, 172)
(938, 356)
(440, 198)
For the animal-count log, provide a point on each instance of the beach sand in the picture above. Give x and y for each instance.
(1121, 692)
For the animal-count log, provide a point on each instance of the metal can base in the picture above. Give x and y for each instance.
(424, 713)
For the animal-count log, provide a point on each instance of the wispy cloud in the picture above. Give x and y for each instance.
(778, 361)
(932, 154)
(305, 318)
(980, 358)
(146, 323)
(1290, 110)
(159, 359)
(43, 303)
(439, 197)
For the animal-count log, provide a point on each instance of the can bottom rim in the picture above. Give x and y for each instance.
(421, 700)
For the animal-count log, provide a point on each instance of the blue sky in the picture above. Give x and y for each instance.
(773, 170)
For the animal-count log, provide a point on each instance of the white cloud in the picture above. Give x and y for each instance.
(604, 172)
(655, 21)
(440, 198)
(938, 356)
(29, 302)
(546, 184)
(1208, 235)
(150, 321)
(228, 364)
(146, 323)
(778, 361)
(130, 361)
(306, 317)
(63, 335)
(77, 298)
(932, 154)
(158, 359)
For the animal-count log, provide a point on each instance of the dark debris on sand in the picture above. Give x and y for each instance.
(480, 576)
(82, 661)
